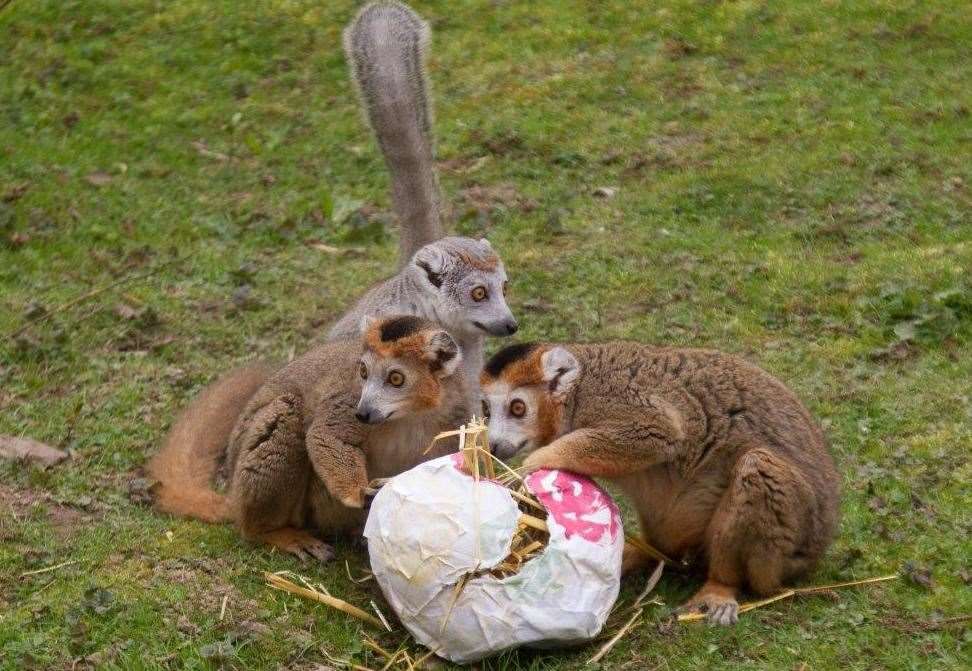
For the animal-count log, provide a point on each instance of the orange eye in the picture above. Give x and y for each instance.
(396, 379)
(479, 294)
(363, 371)
(517, 408)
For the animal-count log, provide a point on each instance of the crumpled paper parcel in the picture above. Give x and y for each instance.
(434, 524)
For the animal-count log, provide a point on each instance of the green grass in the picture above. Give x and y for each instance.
(794, 183)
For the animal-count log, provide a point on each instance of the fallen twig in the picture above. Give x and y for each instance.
(641, 545)
(49, 568)
(63, 307)
(606, 648)
(650, 585)
(786, 594)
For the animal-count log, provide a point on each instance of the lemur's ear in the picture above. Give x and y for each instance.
(560, 370)
(432, 261)
(442, 353)
(485, 243)
(367, 321)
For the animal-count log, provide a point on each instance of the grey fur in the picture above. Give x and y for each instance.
(453, 263)
(385, 46)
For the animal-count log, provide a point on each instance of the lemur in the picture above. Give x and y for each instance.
(458, 282)
(720, 459)
(312, 436)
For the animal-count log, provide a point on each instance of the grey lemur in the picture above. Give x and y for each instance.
(457, 282)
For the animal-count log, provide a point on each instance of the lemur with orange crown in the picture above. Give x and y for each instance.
(720, 459)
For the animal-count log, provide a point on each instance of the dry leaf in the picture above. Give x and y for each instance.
(205, 151)
(31, 450)
(98, 179)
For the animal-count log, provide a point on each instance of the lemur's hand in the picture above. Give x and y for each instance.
(371, 491)
(355, 499)
(537, 460)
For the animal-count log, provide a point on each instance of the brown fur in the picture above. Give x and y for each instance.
(721, 460)
(409, 346)
(297, 461)
(185, 466)
(486, 263)
(523, 372)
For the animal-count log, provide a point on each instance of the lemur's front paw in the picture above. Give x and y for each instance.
(355, 499)
(719, 605)
(534, 462)
(300, 543)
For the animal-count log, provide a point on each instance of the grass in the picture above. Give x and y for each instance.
(794, 183)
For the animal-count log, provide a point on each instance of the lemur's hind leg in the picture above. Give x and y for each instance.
(756, 535)
(270, 479)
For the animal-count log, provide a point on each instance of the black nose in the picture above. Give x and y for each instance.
(511, 327)
(493, 447)
(363, 416)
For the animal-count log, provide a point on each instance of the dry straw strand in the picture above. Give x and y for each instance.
(606, 648)
(277, 581)
(753, 605)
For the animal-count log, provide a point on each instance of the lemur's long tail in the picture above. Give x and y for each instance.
(385, 46)
(187, 463)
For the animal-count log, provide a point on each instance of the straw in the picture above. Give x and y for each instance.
(786, 594)
(277, 581)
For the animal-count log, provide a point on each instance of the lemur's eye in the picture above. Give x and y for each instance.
(396, 379)
(363, 371)
(479, 294)
(517, 408)
(485, 410)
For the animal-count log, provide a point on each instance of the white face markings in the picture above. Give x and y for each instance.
(387, 387)
(460, 293)
(513, 418)
(477, 303)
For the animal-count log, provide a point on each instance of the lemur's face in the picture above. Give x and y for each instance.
(467, 282)
(524, 391)
(403, 364)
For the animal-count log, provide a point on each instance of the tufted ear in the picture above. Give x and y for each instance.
(366, 323)
(432, 261)
(560, 371)
(442, 353)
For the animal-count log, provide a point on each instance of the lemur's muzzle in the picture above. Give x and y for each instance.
(368, 415)
(505, 327)
(504, 449)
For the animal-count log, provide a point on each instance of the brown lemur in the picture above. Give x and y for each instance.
(457, 282)
(720, 459)
(311, 437)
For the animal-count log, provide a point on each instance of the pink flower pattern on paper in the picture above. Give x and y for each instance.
(577, 504)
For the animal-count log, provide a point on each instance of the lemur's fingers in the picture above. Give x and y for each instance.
(355, 499)
(545, 457)
(725, 614)
(320, 550)
(299, 543)
(717, 601)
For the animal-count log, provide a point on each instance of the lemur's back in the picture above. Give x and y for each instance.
(726, 402)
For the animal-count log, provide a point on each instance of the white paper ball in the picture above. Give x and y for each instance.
(430, 526)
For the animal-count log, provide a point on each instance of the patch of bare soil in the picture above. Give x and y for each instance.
(16, 503)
